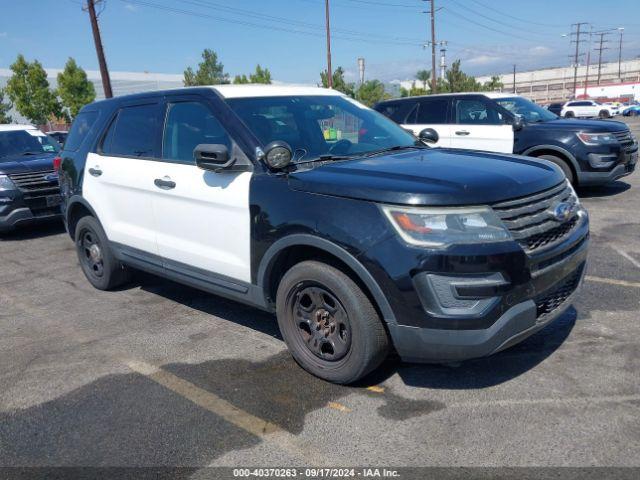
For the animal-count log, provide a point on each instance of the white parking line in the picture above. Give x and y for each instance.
(269, 432)
(628, 257)
(612, 281)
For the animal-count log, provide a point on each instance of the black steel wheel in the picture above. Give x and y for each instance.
(329, 324)
(97, 261)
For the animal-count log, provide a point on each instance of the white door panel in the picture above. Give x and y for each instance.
(121, 196)
(204, 221)
(444, 133)
(492, 138)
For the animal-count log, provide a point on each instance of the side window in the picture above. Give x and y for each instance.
(433, 111)
(133, 133)
(81, 126)
(399, 112)
(571, 104)
(187, 125)
(476, 112)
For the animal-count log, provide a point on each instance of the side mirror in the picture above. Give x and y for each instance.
(429, 135)
(278, 154)
(212, 156)
(518, 123)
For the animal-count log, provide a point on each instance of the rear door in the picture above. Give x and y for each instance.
(118, 179)
(431, 113)
(479, 124)
(203, 221)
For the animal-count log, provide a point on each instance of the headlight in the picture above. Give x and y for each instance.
(440, 227)
(6, 184)
(574, 195)
(597, 138)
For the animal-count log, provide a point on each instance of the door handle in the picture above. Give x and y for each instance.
(165, 183)
(462, 132)
(96, 172)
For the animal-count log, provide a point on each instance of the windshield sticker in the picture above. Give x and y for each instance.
(48, 148)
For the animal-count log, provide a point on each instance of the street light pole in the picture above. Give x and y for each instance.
(621, 30)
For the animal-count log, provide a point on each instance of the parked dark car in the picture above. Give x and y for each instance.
(303, 202)
(59, 136)
(555, 108)
(589, 152)
(29, 189)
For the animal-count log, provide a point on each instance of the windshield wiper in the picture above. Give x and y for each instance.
(394, 149)
(325, 158)
(24, 154)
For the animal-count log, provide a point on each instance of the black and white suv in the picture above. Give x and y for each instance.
(303, 202)
(589, 152)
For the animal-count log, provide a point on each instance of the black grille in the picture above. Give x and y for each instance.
(624, 137)
(549, 301)
(529, 221)
(36, 188)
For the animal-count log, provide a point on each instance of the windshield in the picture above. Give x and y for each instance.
(321, 125)
(23, 143)
(528, 110)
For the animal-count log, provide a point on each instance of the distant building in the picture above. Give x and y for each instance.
(122, 83)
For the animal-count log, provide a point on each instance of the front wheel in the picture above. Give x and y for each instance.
(329, 324)
(96, 259)
(604, 114)
(564, 166)
(569, 115)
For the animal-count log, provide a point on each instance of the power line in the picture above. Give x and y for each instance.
(344, 36)
(516, 18)
(512, 35)
(600, 49)
(577, 41)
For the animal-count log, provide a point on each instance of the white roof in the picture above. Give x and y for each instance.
(10, 127)
(261, 90)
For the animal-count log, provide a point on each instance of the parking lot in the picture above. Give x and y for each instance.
(158, 374)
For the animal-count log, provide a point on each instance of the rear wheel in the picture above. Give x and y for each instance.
(562, 164)
(569, 115)
(604, 114)
(97, 261)
(330, 326)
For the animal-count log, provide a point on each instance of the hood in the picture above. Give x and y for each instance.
(33, 163)
(580, 125)
(431, 177)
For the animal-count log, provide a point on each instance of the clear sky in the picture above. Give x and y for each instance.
(287, 36)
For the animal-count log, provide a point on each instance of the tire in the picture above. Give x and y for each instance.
(96, 259)
(569, 115)
(604, 114)
(562, 163)
(329, 325)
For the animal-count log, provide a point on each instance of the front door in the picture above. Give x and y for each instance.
(202, 217)
(480, 125)
(118, 179)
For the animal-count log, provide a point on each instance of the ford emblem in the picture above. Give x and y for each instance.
(51, 177)
(562, 211)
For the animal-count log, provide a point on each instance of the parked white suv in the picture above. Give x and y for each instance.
(586, 109)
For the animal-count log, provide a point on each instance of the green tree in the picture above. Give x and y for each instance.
(4, 109)
(240, 79)
(371, 92)
(28, 89)
(74, 89)
(414, 91)
(424, 76)
(458, 81)
(210, 71)
(261, 75)
(339, 83)
(493, 84)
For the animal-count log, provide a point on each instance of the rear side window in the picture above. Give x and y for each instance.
(433, 111)
(79, 130)
(397, 111)
(133, 132)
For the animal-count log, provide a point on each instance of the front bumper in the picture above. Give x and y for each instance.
(626, 165)
(415, 344)
(476, 304)
(23, 216)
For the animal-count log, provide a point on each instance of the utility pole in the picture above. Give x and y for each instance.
(600, 50)
(621, 30)
(577, 41)
(104, 71)
(432, 13)
(329, 73)
(586, 74)
(514, 78)
(361, 69)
